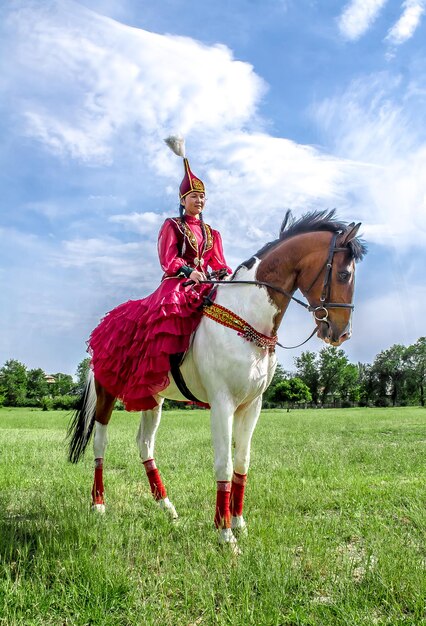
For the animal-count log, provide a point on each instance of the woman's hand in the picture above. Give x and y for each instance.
(219, 274)
(197, 276)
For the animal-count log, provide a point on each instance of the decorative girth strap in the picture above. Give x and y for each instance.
(227, 318)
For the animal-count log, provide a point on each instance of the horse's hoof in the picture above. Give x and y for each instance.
(239, 526)
(166, 506)
(98, 508)
(228, 540)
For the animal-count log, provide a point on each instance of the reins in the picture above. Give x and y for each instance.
(323, 307)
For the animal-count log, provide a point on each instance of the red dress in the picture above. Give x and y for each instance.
(130, 348)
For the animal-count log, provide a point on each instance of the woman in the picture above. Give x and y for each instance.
(131, 347)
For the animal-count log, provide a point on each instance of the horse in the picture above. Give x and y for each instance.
(231, 360)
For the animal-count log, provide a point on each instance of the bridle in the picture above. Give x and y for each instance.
(326, 287)
(320, 312)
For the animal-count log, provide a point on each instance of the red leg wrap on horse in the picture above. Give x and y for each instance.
(237, 494)
(98, 484)
(158, 490)
(222, 518)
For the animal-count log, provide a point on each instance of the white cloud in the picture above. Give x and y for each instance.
(87, 83)
(146, 223)
(107, 94)
(257, 178)
(377, 132)
(128, 98)
(64, 139)
(405, 27)
(114, 262)
(358, 16)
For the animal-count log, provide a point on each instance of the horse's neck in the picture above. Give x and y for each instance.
(249, 301)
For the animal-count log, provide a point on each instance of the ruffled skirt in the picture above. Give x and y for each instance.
(130, 348)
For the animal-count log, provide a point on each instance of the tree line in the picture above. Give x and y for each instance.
(20, 386)
(397, 377)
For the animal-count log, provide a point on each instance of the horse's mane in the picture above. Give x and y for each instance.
(314, 221)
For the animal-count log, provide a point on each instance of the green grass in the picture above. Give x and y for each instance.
(335, 505)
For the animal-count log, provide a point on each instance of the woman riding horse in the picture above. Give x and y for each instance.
(132, 345)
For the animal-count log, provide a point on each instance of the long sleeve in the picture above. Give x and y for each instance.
(217, 259)
(168, 250)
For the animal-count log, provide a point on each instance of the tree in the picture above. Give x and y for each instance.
(279, 375)
(332, 366)
(366, 384)
(349, 387)
(292, 391)
(299, 392)
(37, 386)
(391, 372)
(415, 358)
(13, 383)
(308, 372)
(64, 385)
(82, 373)
(281, 392)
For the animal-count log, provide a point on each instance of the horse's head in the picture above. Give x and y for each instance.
(316, 254)
(327, 280)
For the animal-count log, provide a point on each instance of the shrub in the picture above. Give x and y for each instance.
(46, 403)
(382, 402)
(66, 402)
(172, 405)
(31, 402)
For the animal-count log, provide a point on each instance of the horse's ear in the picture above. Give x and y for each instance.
(286, 221)
(350, 233)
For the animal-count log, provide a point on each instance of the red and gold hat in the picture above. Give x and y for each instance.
(190, 182)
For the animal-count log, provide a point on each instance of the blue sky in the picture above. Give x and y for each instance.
(284, 104)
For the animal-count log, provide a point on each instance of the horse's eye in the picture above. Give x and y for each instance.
(344, 276)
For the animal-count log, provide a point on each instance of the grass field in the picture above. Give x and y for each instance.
(335, 505)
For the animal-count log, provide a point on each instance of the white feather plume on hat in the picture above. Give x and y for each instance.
(176, 143)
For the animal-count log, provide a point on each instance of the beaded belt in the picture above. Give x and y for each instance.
(227, 318)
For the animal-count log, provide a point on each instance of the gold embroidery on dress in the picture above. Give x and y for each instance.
(209, 237)
(191, 238)
(186, 231)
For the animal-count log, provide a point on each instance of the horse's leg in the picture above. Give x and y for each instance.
(244, 424)
(150, 421)
(221, 428)
(104, 407)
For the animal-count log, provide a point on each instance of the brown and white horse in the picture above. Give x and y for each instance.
(230, 370)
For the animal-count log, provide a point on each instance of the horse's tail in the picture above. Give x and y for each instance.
(81, 424)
